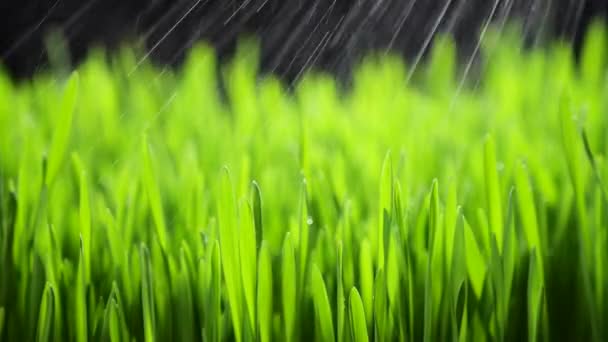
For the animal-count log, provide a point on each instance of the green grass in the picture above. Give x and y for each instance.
(145, 206)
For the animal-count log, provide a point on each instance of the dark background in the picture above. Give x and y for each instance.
(294, 34)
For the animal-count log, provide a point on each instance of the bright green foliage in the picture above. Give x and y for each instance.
(158, 206)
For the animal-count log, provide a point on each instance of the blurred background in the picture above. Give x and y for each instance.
(294, 35)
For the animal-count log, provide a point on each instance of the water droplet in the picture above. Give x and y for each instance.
(309, 221)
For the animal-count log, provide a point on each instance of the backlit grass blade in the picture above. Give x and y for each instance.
(340, 298)
(147, 295)
(429, 291)
(322, 306)
(45, 316)
(357, 317)
(184, 298)
(153, 194)
(80, 312)
(256, 204)
(380, 306)
(535, 297)
(63, 127)
(493, 196)
(85, 217)
(229, 243)
(115, 321)
(248, 251)
(458, 275)
(288, 286)
(305, 223)
(527, 209)
(213, 314)
(113, 326)
(476, 264)
(384, 205)
(265, 294)
(366, 280)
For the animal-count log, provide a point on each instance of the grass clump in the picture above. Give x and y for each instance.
(139, 205)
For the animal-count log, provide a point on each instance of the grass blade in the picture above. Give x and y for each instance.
(288, 283)
(147, 294)
(45, 317)
(265, 294)
(493, 196)
(61, 135)
(248, 253)
(229, 243)
(153, 194)
(80, 311)
(322, 306)
(357, 317)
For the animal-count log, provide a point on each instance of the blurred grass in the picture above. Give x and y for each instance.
(486, 219)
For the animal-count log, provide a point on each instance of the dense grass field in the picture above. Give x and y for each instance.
(140, 205)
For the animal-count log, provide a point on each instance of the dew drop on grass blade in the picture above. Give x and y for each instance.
(322, 306)
(45, 316)
(304, 236)
(265, 294)
(288, 283)
(63, 127)
(357, 317)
